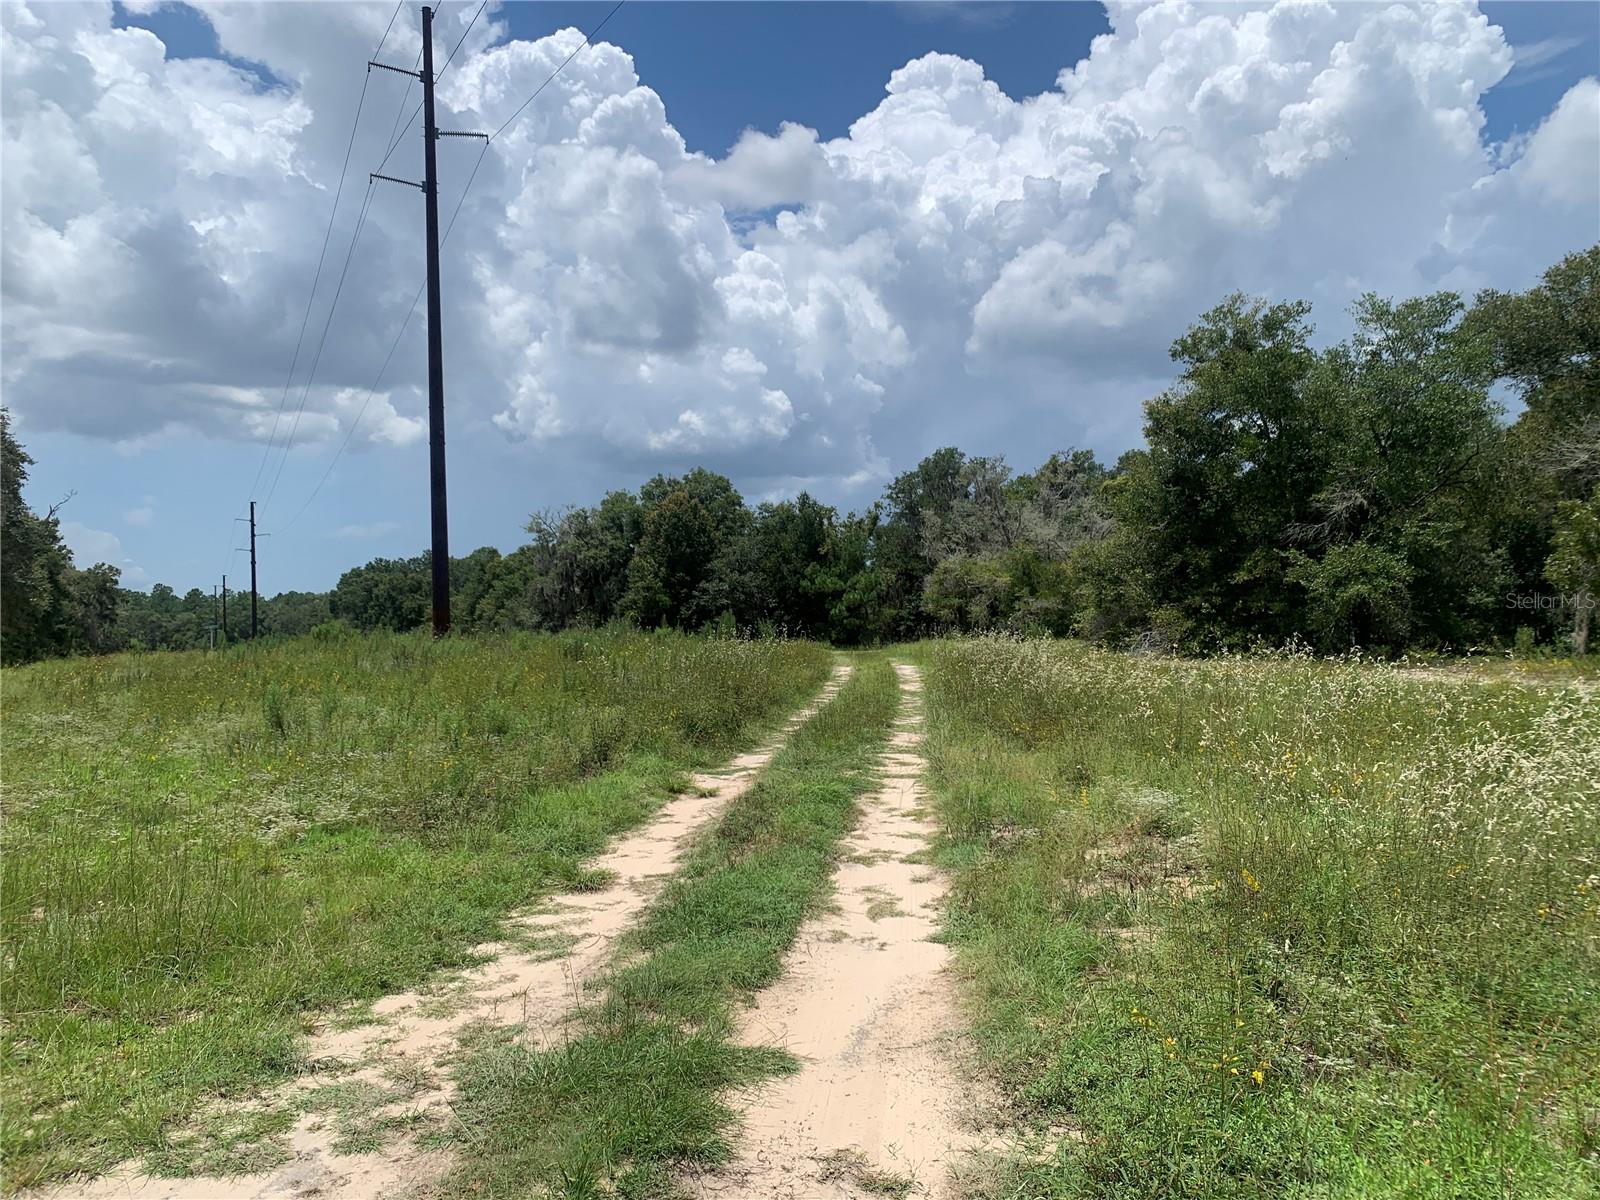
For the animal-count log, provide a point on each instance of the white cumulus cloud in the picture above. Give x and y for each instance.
(93, 546)
(962, 266)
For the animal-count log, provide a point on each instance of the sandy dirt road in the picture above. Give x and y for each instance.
(417, 1031)
(868, 1005)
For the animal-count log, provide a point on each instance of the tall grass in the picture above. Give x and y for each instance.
(1276, 926)
(202, 851)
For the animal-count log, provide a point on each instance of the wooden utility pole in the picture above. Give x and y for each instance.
(253, 570)
(224, 609)
(431, 133)
(436, 492)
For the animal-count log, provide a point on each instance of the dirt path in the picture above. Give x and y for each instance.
(392, 1076)
(868, 1005)
(1503, 671)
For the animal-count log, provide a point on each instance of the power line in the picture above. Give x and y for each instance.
(388, 28)
(395, 141)
(311, 375)
(355, 238)
(581, 45)
(394, 133)
(316, 278)
(451, 56)
(387, 358)
(395, 137)
(405, 323)
(344, 170)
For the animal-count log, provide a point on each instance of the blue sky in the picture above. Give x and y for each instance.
(724, 65)
(160, 504)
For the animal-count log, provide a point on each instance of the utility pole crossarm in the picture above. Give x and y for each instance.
(421, 187)
(397, 70)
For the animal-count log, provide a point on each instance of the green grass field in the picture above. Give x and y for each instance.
(202, 852)
(1274, 926)
(1244, 927)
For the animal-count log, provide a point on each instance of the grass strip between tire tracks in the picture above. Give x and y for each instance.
(638, 1091)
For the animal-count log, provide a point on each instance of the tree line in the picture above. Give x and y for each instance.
(1373, 493)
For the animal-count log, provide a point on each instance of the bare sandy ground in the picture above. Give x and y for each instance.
(867, 1003)
(1505, 671)
(417, 1031)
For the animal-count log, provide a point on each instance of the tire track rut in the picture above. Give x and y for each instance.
(879, 1105)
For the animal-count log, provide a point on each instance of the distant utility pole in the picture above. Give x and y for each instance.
(224, 609)
(430, 194)
(252, 570)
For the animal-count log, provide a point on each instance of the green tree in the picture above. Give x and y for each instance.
(715, 493)
(1574, 563)
(1357, 594)
(95, 601)
(386, 593)
(914, 505)
(1546, 342)
(581, 560)
(1415, 447)
(36, 597)
(397, 593)
(794, 543)
(1235, 456)
(673, 560)
(470, 578)
(978, 516)
(292, 614)
(511, 593)
(968, 592)
(1058, 506)
(860, 614)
